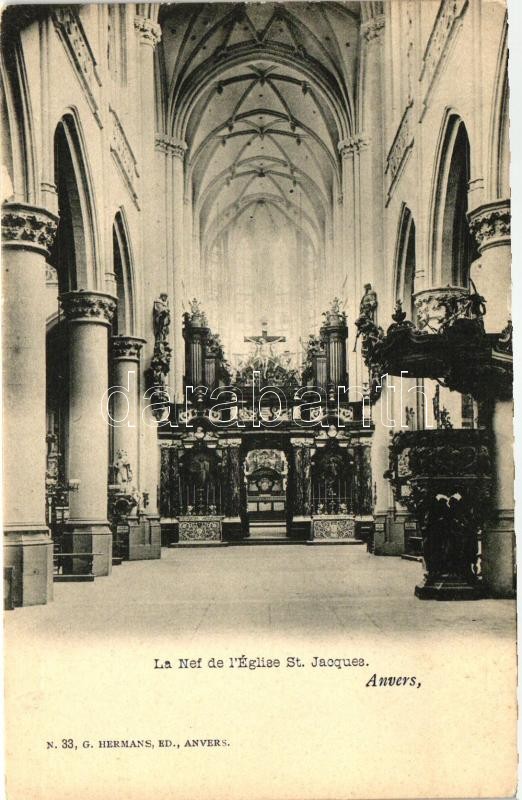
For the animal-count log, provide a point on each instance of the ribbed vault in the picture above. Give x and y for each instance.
(261, 94)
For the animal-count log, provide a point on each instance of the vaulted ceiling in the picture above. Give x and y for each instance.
(261, 93)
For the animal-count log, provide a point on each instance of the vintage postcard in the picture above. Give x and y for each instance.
(258, 471)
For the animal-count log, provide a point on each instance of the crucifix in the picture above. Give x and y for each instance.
(264, 339)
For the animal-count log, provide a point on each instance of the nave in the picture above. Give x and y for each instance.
(327, 592)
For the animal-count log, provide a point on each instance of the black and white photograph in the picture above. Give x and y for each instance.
(258, 434)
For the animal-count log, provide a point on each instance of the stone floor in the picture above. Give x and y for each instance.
(85, 667)
(293, 590)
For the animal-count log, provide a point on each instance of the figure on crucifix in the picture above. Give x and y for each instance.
(273, 367)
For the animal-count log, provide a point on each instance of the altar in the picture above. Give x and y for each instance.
(268, 452)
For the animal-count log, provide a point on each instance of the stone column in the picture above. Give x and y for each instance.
(491, 225)
(27, 234)
(351, 174)
(125, 409)
(389, 537)
(151, 194)
(89, 315)
(178, 269)
(371, 211)
(498, 538)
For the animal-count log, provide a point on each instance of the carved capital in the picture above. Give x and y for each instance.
(87, 306)
(490, 224)
(175, 148)
(28, 227)
(127, 348)
(149, 31)
(373, 28)
(351, 146)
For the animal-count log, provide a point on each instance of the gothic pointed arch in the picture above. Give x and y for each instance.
(123, 265)
(499, 154)
(452, 246)
(405, 261)
(75, 253)
(18, 143)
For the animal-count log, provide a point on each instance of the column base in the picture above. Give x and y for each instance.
(498, 555)
(301, 528)
(169, 531)
(448, 587)
(232, 528)
(144, 539)
(388, 538)
(88, 548)
(28, 567)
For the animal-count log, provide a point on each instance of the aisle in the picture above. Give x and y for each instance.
(273, 590)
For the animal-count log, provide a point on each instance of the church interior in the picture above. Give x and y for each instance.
(257, 282)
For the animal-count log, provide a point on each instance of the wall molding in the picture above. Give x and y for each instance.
(400, 150)
(124, 157)
(70, 30)
(445, 27)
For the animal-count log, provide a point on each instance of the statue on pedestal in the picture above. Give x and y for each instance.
(121, 470)
(369, 303)
(160, 361)
(161, 318)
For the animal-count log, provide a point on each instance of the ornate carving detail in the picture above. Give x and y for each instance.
(196, 316)
(126, 347)
(123, 156)
(333, 528)
(315, 348)
(51, 275)
(120, 471)
(172, 147)
(28, 226)
(349, 147)
(194, 529)
(335, 316)
(505, 340)
(88, 306)
(160, 361)
(490, 224)
(469, 306)
(400, 149)
(444, 478)
(431, 305)
(149, 31)
(373, 28)
(448, 16)
(369, 303)
(72, 34)
(372, 334)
